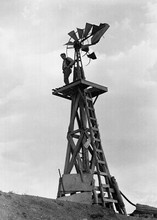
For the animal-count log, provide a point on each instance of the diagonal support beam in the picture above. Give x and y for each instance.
(75, 151)
(73, 146)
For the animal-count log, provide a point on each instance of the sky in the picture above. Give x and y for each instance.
(34, 123)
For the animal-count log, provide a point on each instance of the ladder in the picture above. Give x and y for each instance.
(104, 193)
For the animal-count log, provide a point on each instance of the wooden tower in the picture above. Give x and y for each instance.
(86, 176)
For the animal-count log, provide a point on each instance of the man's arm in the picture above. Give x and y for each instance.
(71, 62)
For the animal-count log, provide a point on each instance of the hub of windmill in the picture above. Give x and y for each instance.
(77, 45)
(86, 177)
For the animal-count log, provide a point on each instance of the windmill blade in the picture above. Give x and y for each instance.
(92, 56)
(95, 29)
(87, 29)
(99, 33)
(73, 35)
(69, 43)
(80, 32)
(85, 48)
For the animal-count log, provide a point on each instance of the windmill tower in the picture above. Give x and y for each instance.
(86, 176)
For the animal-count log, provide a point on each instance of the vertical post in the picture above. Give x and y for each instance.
(78, 68)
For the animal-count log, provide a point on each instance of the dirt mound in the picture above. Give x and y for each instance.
(23, 207)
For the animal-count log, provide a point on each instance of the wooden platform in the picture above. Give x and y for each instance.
(69, 90)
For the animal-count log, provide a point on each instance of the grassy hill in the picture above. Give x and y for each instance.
(25, 207)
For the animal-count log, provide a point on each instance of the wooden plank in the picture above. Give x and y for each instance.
(94, 85)
(74, 108)
(74, 183)
(76, 131)
(99, 150)
(75, 151)
(70, 89)
(78, 159)
(70, 150)
(105, 186)
(103, 173)
(84, 198)
(61, 95)
(106, 200)
(96, 91)
(101, 162)
(67, 158)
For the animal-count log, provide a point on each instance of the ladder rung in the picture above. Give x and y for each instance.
(97, 139)
(105, 185)
(103, 173)
(88, 98)
(106, 200)
(99, 150)
(101, 161)
(90, 108)
(91, 118)
(95, 129)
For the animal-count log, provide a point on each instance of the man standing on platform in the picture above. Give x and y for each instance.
(67, 67)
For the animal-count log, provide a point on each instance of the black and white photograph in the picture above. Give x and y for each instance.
(78, 109)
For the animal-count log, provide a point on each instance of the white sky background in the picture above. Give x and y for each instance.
(33, 123)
